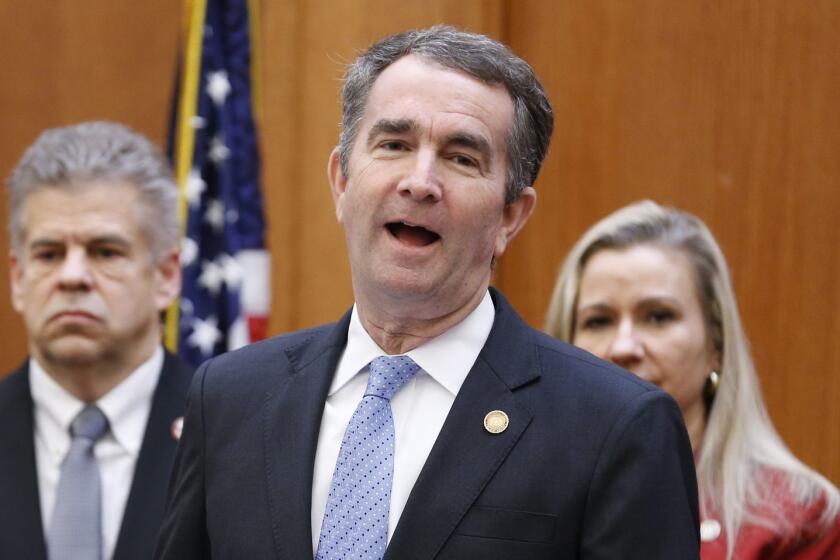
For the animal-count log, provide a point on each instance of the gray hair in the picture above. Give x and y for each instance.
(99, 151)
(740, 442)
(478, 56)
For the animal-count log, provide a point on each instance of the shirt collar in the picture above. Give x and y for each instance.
(447, 358)
(126, 406)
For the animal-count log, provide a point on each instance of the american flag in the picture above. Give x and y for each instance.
(225, 297)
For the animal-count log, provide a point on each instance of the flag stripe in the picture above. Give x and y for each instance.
(217, 164)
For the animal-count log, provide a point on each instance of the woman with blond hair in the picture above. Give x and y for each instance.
(648, 288)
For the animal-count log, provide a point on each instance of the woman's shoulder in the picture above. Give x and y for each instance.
(790, 520)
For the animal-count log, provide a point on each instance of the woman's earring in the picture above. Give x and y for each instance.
(712, 383)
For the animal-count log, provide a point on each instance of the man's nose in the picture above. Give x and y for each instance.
(627, 348)
(75, 270)
(422, 182)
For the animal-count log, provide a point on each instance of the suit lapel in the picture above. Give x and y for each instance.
(22, 534)
(465, 455)
(147, 498)
(292, 421)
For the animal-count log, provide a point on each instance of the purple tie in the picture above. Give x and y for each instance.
(356, 518)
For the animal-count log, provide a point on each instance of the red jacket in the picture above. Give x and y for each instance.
(808, 542)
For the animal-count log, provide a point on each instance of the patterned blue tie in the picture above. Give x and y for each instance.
(356, 518)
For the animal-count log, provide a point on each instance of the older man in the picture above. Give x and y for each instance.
(430, 421)
(86, 443)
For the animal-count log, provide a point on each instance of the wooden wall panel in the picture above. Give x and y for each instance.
(724, 109)
(727, 110)
(66, 61)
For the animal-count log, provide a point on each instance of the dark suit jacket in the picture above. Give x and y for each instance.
(595, 463)
(21, 531)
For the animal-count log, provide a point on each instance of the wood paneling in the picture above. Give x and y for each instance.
(66, 61)
(725, 109)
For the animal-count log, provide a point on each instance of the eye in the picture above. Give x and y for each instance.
(661, 317)
(46, 255)
(465, 161)
(105, 253)
(595, 322)
(393, 146)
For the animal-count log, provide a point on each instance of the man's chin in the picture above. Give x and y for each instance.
(72, 351)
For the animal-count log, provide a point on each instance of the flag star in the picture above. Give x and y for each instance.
(215, 215)
(189, 251)
(187, 309)
(212, 276)
(231, 270)
(195, 187)
(205, 334)
(198, 122)
(218, 86)
(232, 216)
(218, 152)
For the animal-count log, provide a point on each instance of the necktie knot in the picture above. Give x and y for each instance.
(90, 424)
(388, 374)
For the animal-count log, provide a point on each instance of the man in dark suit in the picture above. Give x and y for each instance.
(86, 423)
(430, 421)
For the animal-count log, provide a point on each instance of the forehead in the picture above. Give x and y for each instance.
(439, 99)
(81, 210)
(637, 272)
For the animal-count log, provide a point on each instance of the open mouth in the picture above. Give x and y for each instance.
(411, 235)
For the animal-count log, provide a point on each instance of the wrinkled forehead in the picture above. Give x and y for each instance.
(83, 207)
(419, 89)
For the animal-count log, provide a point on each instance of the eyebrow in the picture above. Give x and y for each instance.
(96, 240)
(597, 306)
(645, 302)
(404, 126)
(391, 126)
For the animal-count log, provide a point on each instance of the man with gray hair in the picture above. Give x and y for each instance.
(86, 423)
(430, 421)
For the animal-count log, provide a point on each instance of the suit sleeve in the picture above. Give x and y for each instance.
(642, 501)
(183, 534)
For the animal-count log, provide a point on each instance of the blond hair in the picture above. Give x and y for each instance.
(740, 445)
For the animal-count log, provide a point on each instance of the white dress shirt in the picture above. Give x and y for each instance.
(419, 408)
(127, 408)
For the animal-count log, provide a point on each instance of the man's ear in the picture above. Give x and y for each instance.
(168, 274)
(514, 217)
(338, 182)
(15, 282)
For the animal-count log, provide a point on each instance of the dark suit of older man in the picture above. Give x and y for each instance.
(21, 528)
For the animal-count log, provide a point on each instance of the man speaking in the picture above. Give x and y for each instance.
(430, 421)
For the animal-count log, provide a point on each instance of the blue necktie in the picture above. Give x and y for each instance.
(356, 518)
(75, 531)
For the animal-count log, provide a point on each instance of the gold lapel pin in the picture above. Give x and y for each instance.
(496, 422)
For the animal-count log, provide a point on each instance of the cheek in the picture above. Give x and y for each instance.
(686, 366)
(592, 343)
(29, 294)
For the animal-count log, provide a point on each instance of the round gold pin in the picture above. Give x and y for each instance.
(496, 422)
